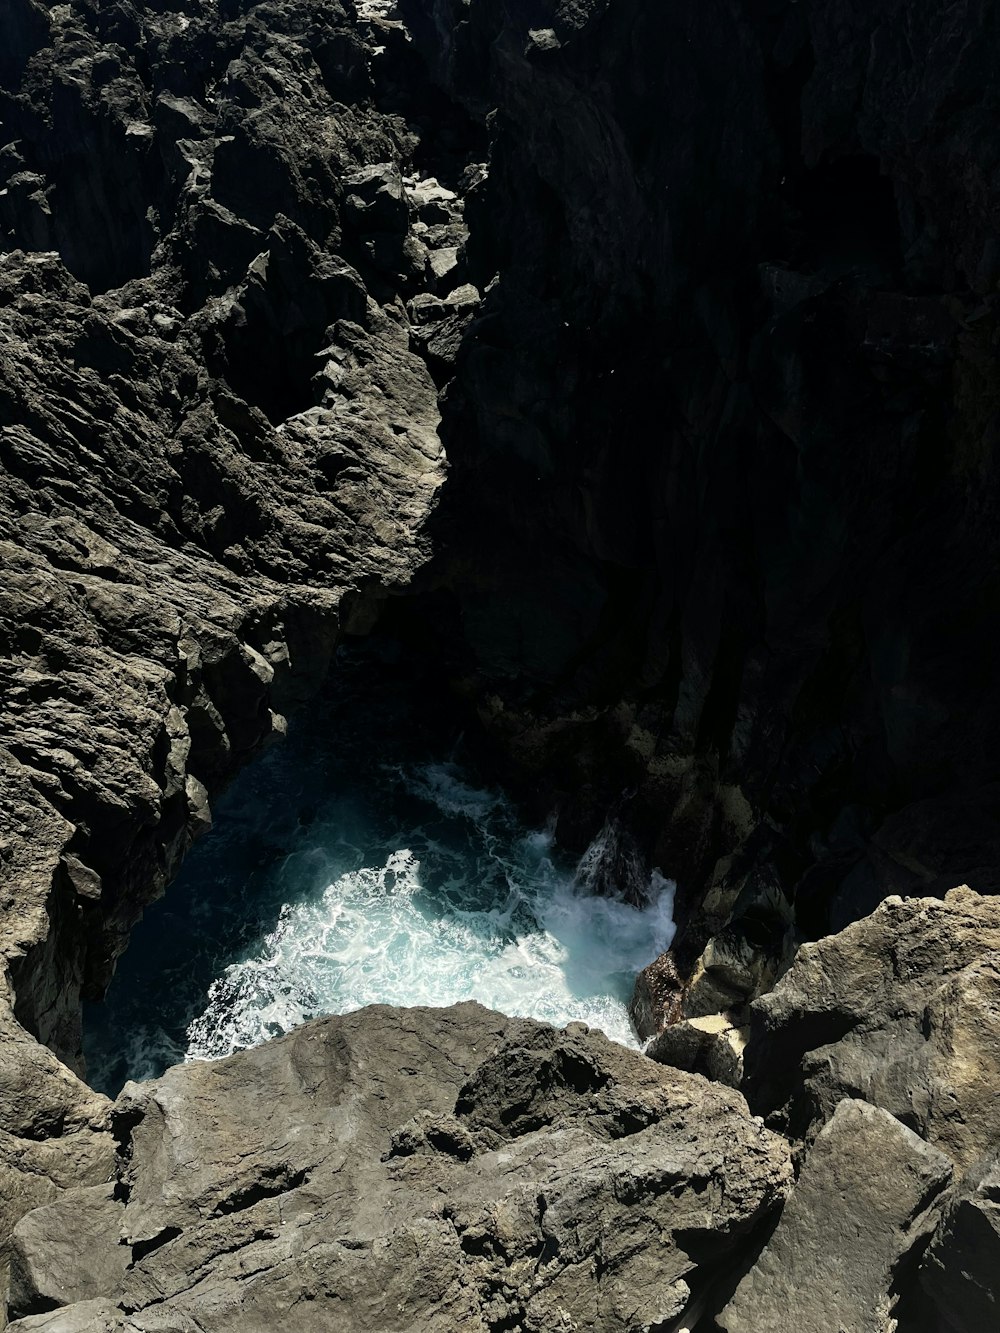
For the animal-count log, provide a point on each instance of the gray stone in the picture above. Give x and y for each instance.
(902, 1009)
(426, 308)
(445, 269)
(431, 1169)
(98, 1316)
(191, 515)
(375, 199)
(70, 1250)
(712, 1045)
(851, 1234)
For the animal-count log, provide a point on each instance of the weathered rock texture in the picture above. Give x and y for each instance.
(204, 465)
(217, 454)
(721, 533)
(901, 1009)
(404, 1169)
(867, 1201)
(54, 1131)
(878, 1054)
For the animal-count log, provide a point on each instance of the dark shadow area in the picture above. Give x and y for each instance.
(850, 219)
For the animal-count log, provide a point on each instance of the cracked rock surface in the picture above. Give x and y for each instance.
(214, 433)
(402, 1169)
(218, 454)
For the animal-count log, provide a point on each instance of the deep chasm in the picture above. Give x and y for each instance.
(572, 425)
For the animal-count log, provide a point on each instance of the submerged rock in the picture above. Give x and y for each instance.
(400, 1169)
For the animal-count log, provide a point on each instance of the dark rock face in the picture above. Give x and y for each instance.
(726, 422)
(960, 1270)
(218, 448)
(433, 1169)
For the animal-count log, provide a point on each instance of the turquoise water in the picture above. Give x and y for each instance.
(353, 865)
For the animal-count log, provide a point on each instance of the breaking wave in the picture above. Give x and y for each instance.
(331, 883)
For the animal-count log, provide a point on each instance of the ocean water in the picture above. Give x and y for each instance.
(363, 861)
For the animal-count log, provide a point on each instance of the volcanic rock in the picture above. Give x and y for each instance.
(902, 1010)
(432, 1169)
(849, 1239)
(217, 441)
(219, 454)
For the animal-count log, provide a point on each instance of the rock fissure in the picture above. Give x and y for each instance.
(703, 304)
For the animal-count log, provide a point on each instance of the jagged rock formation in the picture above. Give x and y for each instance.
(878, 1054)
(902, 1009)
(207, 464)
(390, 1166)
(720, 534)
(218, 455)
(431, 1169)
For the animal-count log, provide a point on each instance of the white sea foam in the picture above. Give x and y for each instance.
(475, 909)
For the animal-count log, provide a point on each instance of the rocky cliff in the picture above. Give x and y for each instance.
(702, 301)
(218, 455)
(726, 420)
(454, 1169)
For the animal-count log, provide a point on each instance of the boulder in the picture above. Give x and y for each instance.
(54, 1133)
(375, 200)
(901, 1009)
(70, 1250)
(98, 1316)
(444, 269)
(851, 1234)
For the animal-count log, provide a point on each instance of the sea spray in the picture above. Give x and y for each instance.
(476, 910)
(344, 868)
(612, 866)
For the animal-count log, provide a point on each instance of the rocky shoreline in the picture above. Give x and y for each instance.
(703, 305)
(453, 1168)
